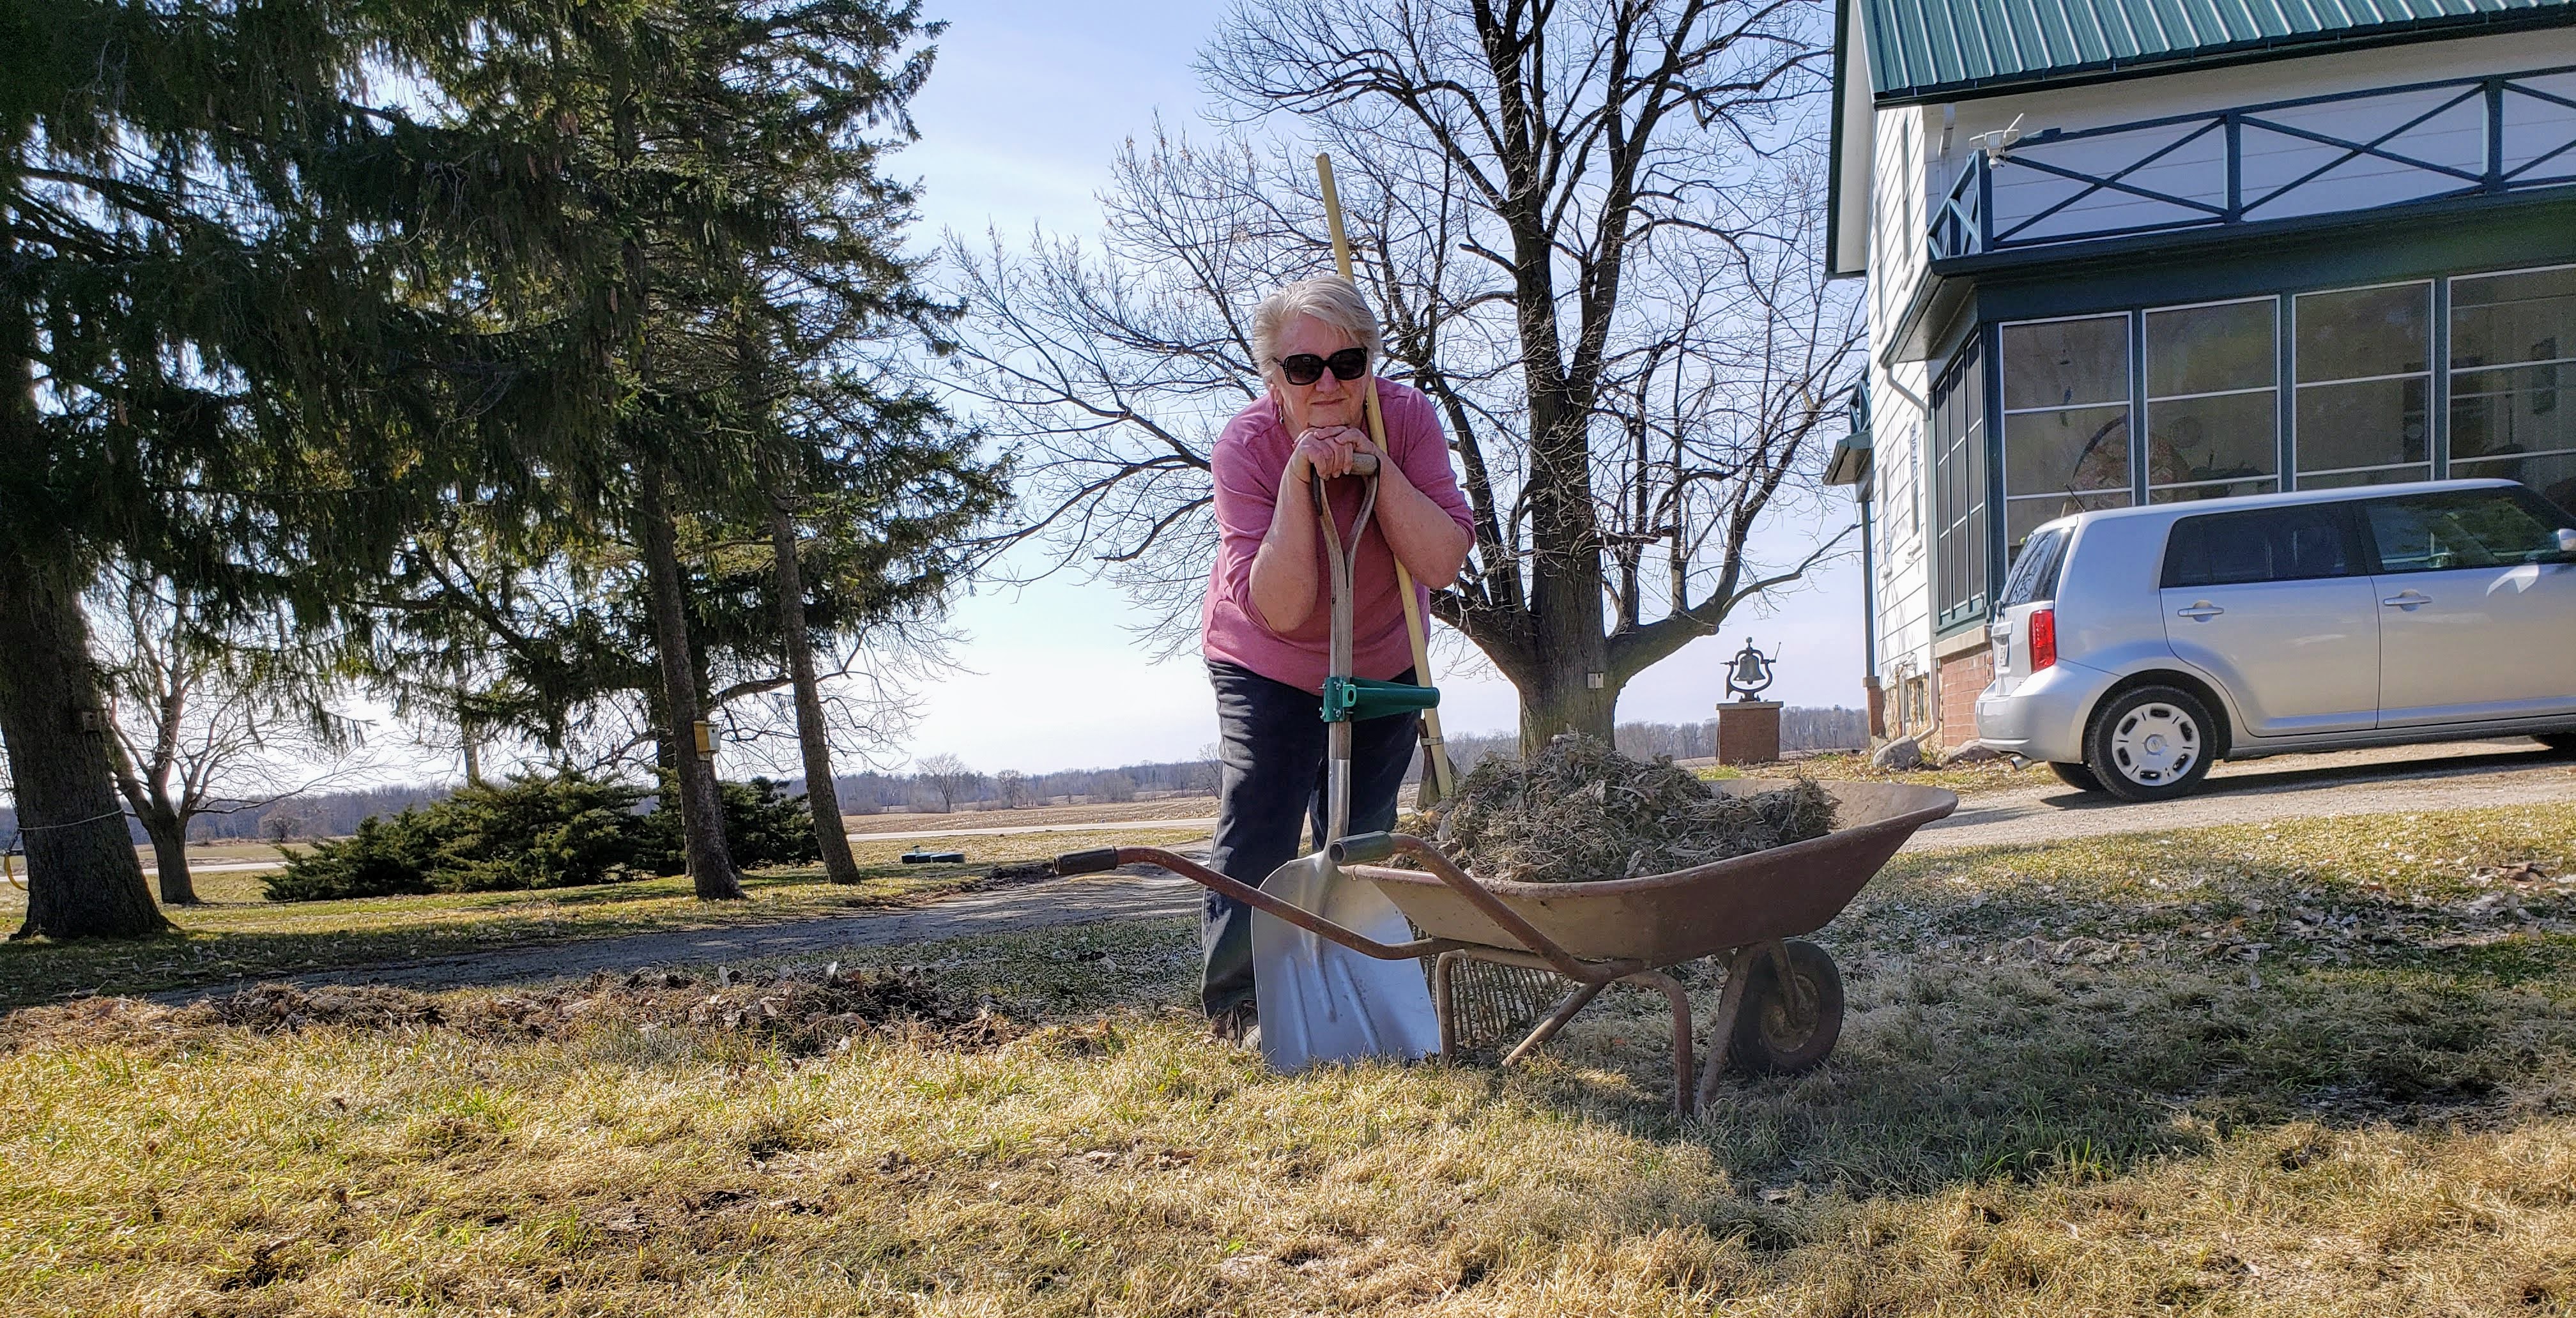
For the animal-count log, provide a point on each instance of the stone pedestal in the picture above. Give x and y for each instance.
(1748, 731)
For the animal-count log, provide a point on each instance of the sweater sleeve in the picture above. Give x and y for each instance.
(1413, 433)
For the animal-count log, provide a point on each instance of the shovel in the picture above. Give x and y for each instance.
(1320, 1001)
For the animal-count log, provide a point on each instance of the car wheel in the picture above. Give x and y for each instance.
(2151, 744)
(2075, 776)
(2562, 742)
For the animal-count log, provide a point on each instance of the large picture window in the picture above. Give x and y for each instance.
(2364, 386)
(2513, 379)
(2066, 420)
(2213, 401)
(1959, 562)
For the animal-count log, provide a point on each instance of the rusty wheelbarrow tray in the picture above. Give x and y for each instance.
(1782, 1001)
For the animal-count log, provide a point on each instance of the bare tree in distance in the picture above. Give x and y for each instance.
(1594, 233)
(948, 776)
(1014, 787)
(205, 724)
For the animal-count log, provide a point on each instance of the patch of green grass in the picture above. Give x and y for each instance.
(2064, 1087)
(235, 935)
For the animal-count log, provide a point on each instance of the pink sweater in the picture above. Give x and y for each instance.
(1248, 459)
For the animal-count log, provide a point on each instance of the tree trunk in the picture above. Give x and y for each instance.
(822, 796)
(83, 880)
(711, 868)
(169, 834)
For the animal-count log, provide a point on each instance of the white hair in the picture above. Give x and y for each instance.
(1328, 298)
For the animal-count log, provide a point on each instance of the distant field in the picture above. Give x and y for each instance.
(1101, 812)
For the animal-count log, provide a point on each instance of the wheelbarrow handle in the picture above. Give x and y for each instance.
(1370, 846)
(1109, 858)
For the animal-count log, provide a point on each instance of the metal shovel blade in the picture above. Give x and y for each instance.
(1322, 1002)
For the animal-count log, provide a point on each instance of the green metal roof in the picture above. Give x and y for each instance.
(1921, 49)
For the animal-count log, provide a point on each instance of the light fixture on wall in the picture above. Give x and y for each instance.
(1995, 144)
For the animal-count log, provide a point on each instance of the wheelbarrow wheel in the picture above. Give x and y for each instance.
(1778, 1034)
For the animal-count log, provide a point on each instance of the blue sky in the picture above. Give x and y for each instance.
(1025, 107)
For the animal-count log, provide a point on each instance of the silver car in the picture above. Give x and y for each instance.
(2133, 648)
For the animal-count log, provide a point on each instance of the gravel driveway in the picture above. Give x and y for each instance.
(2458, 776)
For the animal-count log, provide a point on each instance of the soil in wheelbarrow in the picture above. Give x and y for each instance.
(1582, 812)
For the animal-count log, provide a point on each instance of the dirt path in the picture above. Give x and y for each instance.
(2460, 776)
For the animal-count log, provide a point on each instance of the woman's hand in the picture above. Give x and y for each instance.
(1325, 451)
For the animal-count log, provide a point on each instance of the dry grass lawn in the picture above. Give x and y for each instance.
(2321, 1069)
(235, 934)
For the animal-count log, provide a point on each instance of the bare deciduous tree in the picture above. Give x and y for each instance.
(200, 724)
(949, 777)
(1594, 234)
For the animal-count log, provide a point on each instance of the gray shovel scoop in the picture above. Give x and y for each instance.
(1320, 1001)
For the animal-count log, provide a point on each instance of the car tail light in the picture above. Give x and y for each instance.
(2043, 638)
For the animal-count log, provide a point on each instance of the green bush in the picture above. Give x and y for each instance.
(386, 858)
(536, 831)
(555, 830)
(763, 826)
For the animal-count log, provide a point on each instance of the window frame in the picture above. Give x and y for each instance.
(2452, 371)
(1999, 427)
(2521, 496)
(1968, 529)
(2343, 513)
(2148, 398)
(2435, 375)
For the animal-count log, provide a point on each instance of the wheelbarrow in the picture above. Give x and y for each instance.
(1782, 1006)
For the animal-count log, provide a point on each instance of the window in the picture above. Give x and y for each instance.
(2513, 379)
(2364, 385)
(2463, 528)
(2213, 410)
(2296, 543)
(1959, 491)
(2066, 420)
(2034, 573)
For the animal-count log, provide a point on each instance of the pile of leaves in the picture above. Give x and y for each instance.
(553, 830)
(798, 1010)
(1581, 812)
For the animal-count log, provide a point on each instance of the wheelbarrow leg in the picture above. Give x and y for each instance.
(1556, 1020)
(1730, 1004)
(1679, 998)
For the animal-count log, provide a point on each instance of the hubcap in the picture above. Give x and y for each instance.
(2155, 744)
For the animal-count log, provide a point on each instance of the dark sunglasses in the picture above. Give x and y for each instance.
(1307, 368)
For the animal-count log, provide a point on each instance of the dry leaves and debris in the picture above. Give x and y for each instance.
(1580, 812)
(799, 1010)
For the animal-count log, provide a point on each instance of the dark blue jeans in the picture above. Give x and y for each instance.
(1270, 738)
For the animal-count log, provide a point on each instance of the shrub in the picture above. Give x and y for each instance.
(537, 831)
(386, 858)
(762, 827)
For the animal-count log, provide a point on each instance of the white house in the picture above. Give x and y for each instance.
(2124, 250)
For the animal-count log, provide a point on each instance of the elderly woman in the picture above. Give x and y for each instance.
(1268, 618)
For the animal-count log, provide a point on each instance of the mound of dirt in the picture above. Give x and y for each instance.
(1582, 812)
(801, 1010)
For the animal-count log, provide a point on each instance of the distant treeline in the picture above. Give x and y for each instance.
(336, 814)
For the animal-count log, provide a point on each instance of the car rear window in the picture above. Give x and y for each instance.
(2034, 573)
(2462, 528)
(2294, 543)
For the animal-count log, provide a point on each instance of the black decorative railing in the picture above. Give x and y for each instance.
(2317, 155)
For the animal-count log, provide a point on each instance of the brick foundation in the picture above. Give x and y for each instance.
(1962, 677)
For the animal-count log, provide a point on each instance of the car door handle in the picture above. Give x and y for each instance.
(2405, 599)
(2201, 612)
